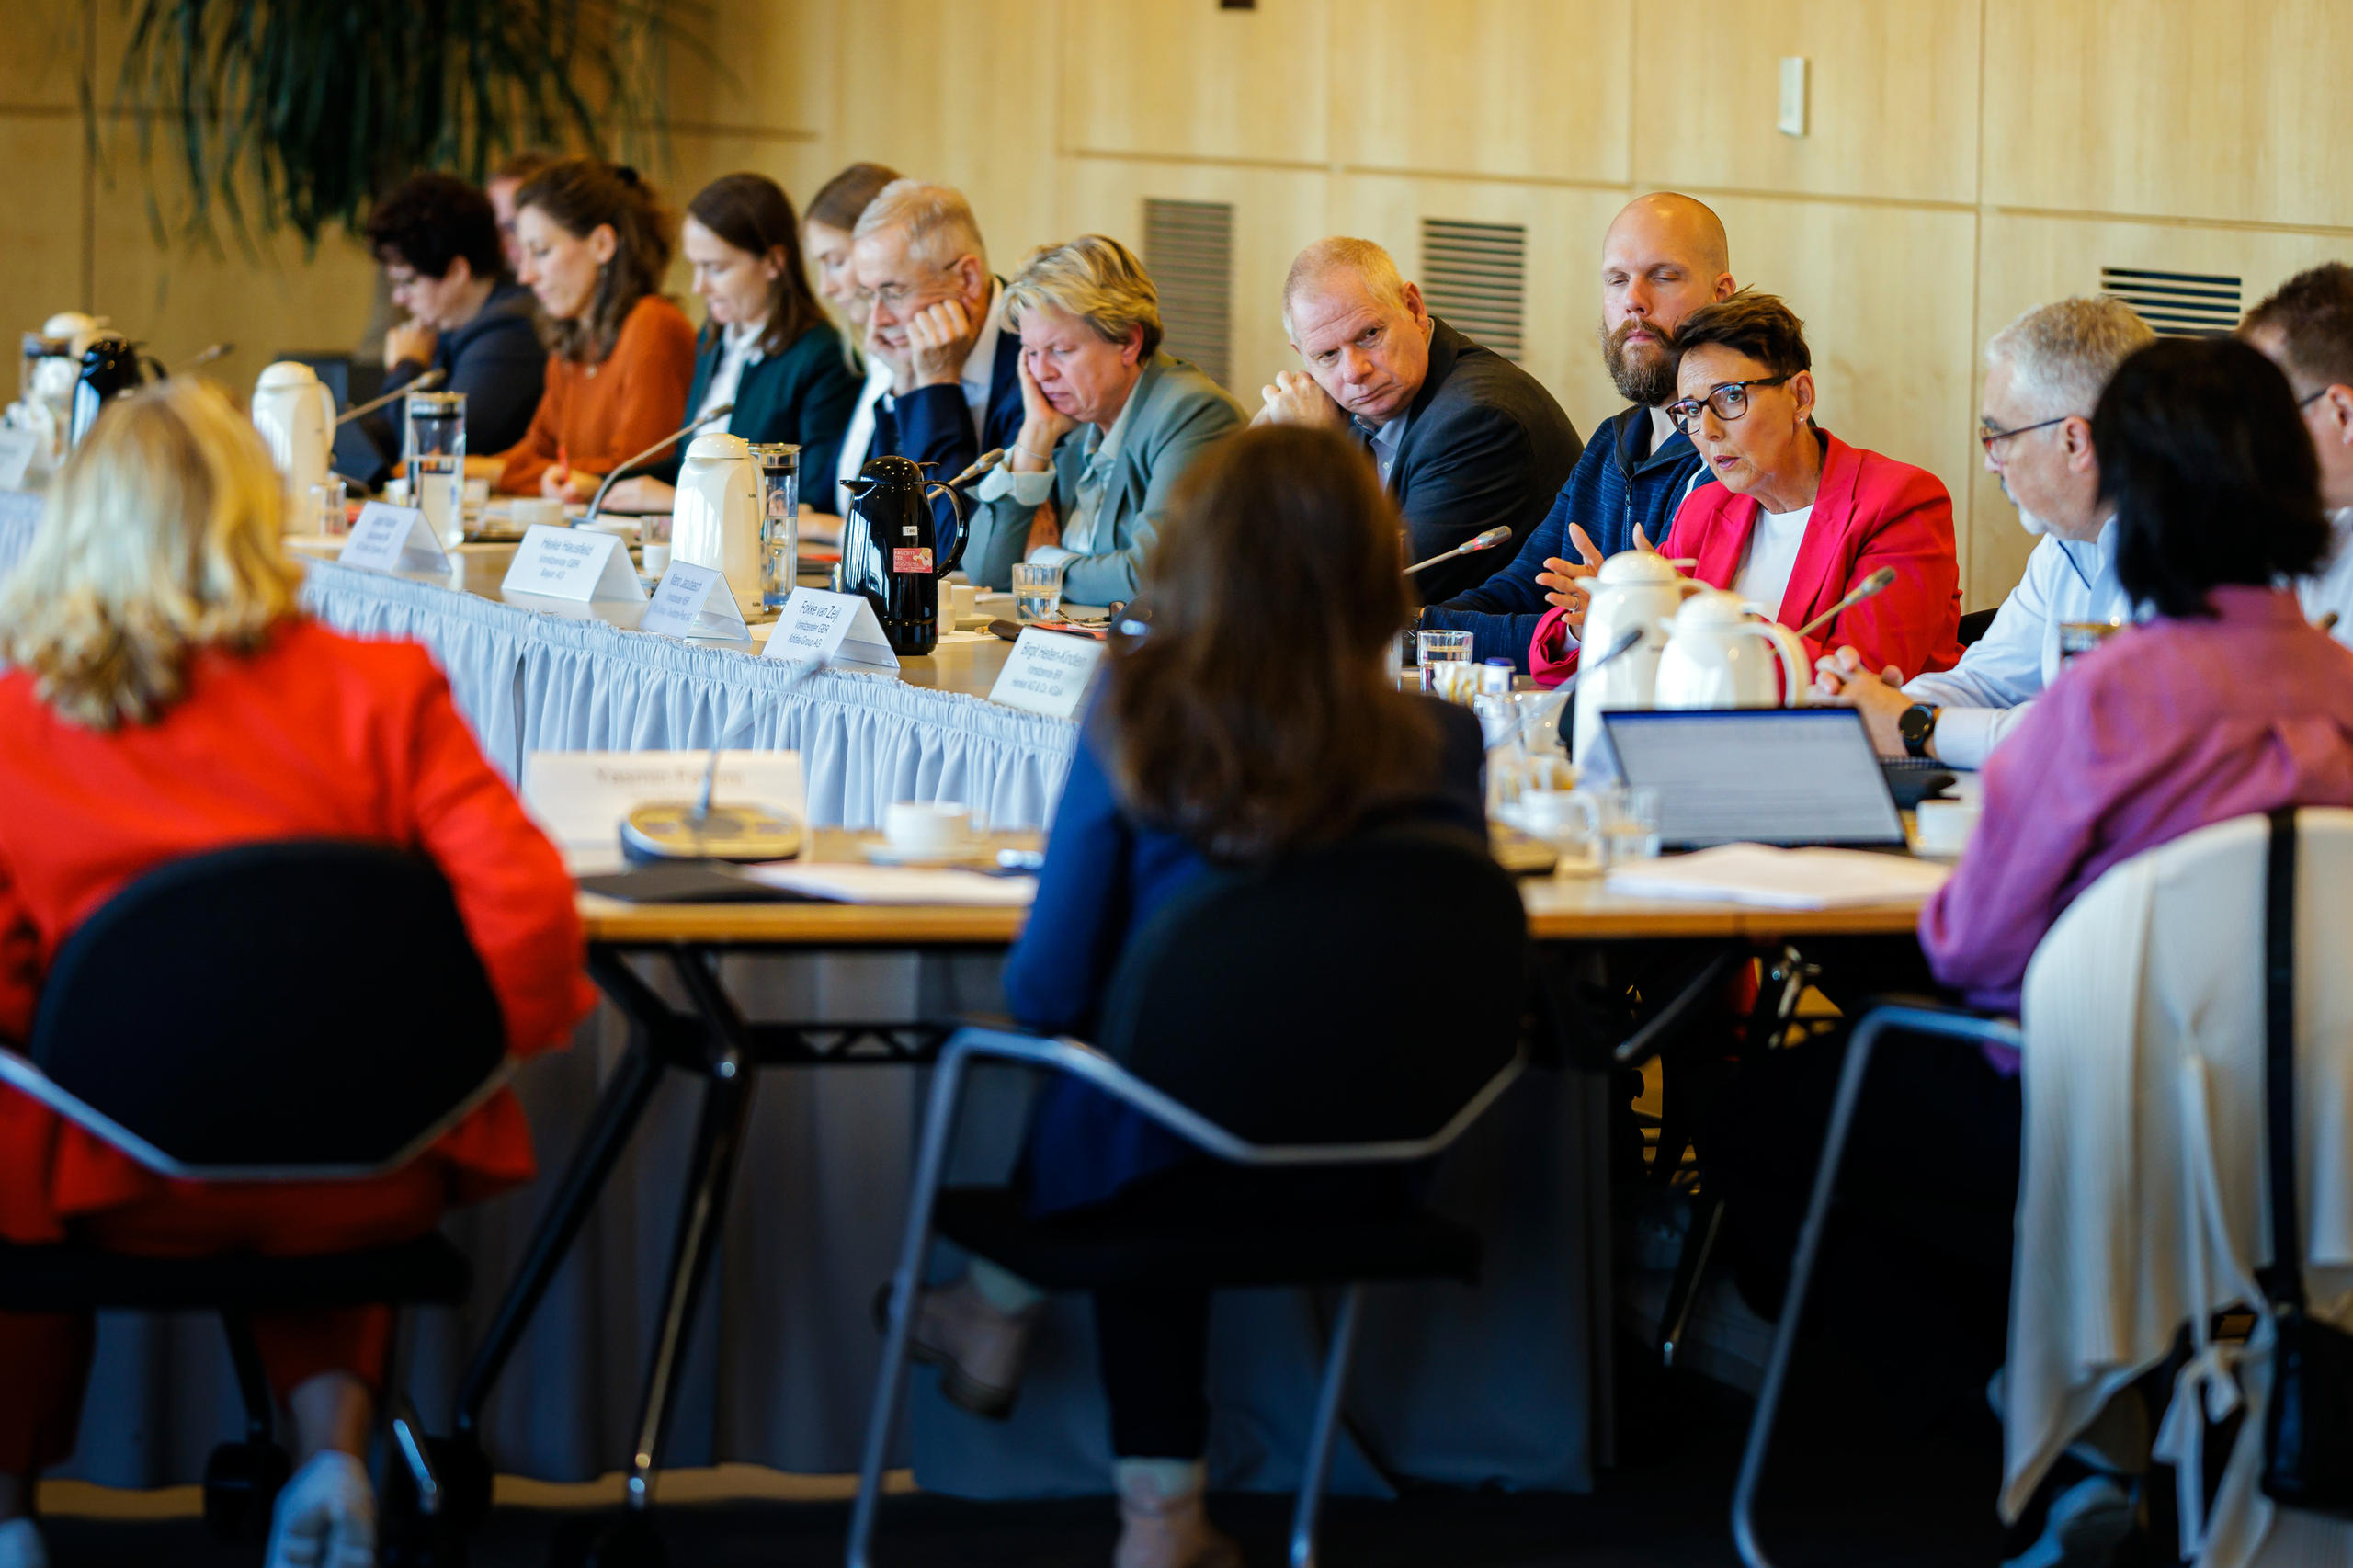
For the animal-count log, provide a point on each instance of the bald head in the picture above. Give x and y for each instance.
(1665, 256)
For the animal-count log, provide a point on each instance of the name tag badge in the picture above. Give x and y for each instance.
(393, 538)
(836, 628)
(579, 565)
(694, 601)
(1048, 672)
(579, 797)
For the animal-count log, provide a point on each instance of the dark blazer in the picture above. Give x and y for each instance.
(1485, 444)
(933, 427)
(1106, 873)
(803, 394)
(496, 359)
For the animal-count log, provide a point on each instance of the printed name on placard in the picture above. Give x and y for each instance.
(578, 564)
(1048, 672)
(393, 538)
(838, 629)
(694, 601)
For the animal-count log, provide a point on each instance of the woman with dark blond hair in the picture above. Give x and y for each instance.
(1256, 719)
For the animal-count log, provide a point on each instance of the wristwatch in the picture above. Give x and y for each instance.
(1918, 724)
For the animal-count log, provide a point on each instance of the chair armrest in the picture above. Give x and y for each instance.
(1947, 1021)
(1655, 1035)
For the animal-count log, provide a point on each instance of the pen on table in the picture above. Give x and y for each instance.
(2327, 622)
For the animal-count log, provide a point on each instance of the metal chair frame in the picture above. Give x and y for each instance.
(1084, 1062)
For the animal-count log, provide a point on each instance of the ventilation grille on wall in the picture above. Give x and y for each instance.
(2176, 304)
(1475, 274)
(1188, 250)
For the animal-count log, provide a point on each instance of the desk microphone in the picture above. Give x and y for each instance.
(1487, 540)
(989, 459)
(425, 382)
(206, 356)
(1877, 583)
(698, 830)
(596, 501)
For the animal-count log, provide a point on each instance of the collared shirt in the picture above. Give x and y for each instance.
(2163, 731)
(1984, 697)
(2330, 589)
(979, 376)
(1031, 489)
(738, 345)
(861, 433)
(1385, 442)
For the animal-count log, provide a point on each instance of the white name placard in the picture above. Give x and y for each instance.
(579, 565)
(1048, 673)
(684, 605)
(393, 538)
(837, 629)
(579, 797)
(16, 449)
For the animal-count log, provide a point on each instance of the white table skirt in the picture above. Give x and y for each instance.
(528, 680)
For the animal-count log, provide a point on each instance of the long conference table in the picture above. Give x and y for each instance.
(1507, 1384)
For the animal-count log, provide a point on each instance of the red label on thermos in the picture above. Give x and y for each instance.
(906, 562)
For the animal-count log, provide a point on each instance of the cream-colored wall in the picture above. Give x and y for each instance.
(1967, 158)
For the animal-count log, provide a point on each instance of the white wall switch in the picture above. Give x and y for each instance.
(1792, 117)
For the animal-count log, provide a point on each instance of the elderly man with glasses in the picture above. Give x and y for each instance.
(2043, 373)
(1797, 518)
(937, 324)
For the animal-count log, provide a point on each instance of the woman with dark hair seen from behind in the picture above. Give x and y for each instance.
(825, 230)
(1256, 719)
(766, 347)
(164, 695)
(597, 242)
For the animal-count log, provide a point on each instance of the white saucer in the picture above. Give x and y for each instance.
(884, 853)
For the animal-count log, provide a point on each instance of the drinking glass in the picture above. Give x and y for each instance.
(780, 467)
(328, 516)
(1628, 825)
(1036, 591)
(435, 456)
(1439, 648)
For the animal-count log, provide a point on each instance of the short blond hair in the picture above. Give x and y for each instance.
(1094, 278)
(938, 221)
(2061, 355)
(160, 539)
(1370, 264)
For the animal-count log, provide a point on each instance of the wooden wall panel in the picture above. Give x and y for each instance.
(771, 64)
(1276, 212)
(1565, 229)
(43, 60)
(1894, 97)
(2232, 109)
(1510, 88)
(1182, 78)
(41, 263)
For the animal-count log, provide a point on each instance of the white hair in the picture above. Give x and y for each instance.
(937, 219)
(2061, 355)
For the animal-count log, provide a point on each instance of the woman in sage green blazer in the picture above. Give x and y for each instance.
(1109, 424)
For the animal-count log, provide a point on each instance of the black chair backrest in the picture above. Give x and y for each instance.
(1975, 624)
(307, 1003)
(1363, 991)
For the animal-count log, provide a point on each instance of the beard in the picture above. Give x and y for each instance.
(1643, 373)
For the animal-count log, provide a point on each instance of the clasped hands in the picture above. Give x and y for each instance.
(1295, 398)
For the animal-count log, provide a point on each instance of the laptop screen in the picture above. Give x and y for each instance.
(1782, 775)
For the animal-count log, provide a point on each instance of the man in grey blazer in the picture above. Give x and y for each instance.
(1110, 424)
(1464, 438)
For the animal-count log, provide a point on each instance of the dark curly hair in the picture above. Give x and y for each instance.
(427, 222)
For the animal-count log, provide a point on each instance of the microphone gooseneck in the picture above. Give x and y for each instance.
(988, 460)
(425, 382)
(1877, 583)
(1487, 540)
(204, 356)
(596, 501)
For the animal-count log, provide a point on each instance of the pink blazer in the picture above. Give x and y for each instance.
(1871, 511)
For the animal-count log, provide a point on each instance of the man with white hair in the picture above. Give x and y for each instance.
(1463, 438)
(2044, 373)
(937, 320)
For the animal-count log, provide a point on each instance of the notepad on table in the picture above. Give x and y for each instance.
(850, 882)
(1781, 878)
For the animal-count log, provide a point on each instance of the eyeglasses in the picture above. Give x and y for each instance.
(1729, 399)
(1989, 433)
(895, 296)
(2311, 398)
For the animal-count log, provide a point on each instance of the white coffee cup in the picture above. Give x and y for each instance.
(961, 597)
(1942, 827)
(657, 560)
(927, 828)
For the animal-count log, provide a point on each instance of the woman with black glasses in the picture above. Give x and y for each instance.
(1797, 518)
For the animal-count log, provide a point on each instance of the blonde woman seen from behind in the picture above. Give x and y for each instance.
(165, 696)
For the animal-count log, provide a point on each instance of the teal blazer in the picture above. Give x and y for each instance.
(1178, 411)
(804, 395)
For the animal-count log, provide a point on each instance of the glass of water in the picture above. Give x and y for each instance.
(1628, 825)
(327, 507)
(1439, 648)
(1036, 591)
(435, 456)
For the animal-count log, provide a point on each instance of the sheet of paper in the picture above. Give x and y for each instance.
(694, 601)
(1048, 672)
(579, 565)
(1781, 878)
(578, 798)
(850, 882)
(393, 538)
(838, 629)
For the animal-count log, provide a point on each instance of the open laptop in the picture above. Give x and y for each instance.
(1790, 776)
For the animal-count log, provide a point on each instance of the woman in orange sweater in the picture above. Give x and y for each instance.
(163, 696)
(596, 244)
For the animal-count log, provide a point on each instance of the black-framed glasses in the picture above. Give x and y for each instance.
(1989, 433)
(1729, 399)
(2311, 398)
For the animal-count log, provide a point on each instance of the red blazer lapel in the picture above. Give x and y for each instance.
(1721, 543)
(1818, 577)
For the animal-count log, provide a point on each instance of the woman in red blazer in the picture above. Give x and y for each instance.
(165, 696)
(1798, 519)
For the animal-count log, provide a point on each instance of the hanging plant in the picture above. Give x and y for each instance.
(318, 106)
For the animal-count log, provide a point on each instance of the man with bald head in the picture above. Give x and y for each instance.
(1664, 257)
(1464, 438)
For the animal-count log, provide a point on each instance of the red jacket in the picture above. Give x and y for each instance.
(1871, 511)
(315, 734)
